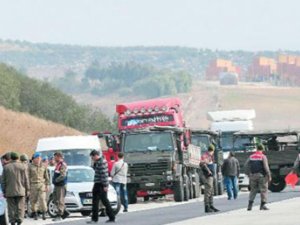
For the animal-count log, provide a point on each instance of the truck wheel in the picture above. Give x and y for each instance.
(196, 187)
(186, 188)
(216, 191)
(277, 184)
(178, 190)
(132, 199)
(220, 188)
(191, 185)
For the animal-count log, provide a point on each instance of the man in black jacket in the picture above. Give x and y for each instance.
(231, 171)
(100, 187)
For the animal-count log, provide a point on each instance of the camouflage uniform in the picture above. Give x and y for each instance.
(60, 187)
(207, 176)
(257, 168)
(39, 180)
(15, 188)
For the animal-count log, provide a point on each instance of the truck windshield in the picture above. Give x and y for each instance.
(201, 141)
(157, 141)
(73, 157)
(244, 144)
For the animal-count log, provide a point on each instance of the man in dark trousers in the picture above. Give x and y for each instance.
(100, 187)
(208, 171)
(15, 187)
(231, 171)
(257, 168)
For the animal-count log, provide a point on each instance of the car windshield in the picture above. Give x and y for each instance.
(73, 157)
(148, 142)
(201, 141)
(79, 175)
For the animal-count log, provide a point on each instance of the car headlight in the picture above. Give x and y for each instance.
(70, 194)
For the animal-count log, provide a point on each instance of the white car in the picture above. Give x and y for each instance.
(79, 192)
(3, 204)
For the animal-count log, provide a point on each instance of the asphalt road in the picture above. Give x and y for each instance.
(186, 211)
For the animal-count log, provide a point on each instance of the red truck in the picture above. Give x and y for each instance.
(158, 149)
(110, 146)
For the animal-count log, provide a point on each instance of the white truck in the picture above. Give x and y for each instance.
(229, 122)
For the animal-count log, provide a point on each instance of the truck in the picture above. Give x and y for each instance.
(158, 150)
(110, 146)
(227, 123)
(203, 138)
(281, 148)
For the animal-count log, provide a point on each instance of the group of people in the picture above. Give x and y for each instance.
(256, 168)
(23, 179)
(27, 181)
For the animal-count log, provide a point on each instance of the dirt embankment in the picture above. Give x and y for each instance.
(20, 131)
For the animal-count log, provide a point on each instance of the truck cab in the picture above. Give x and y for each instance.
(158, 149)
(204, 138)
(281, 155)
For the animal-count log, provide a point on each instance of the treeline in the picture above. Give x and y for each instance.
(126, 79)
(20, 93)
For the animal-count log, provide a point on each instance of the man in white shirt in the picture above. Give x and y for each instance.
(119, 180)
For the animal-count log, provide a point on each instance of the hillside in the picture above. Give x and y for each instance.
(20, 131)
(276, 107)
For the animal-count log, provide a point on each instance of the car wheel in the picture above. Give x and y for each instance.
(116, 211)
(86, 213)
(52, 209)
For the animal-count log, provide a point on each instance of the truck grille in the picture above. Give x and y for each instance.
(154, 168)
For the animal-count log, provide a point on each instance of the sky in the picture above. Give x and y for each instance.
(214, 24)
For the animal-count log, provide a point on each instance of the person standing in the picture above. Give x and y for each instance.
(231, 172)
(257, 168)
(119, 179)
(15, 187)
(5, 159)
(208, 170)
(59, 180)
(100, 187)
(39, 181)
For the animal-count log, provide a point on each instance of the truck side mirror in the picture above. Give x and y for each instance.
(185, 140)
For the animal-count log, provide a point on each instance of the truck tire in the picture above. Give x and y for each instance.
(196, 186)
(216, 189)
(132, 199)
(186, 188)
(191, 185)
(220, 188)
(277, 184)
(178, 190)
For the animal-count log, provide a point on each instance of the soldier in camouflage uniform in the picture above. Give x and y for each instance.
(207, 176)
(59, 181)
(39, 181)
(257, 168)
